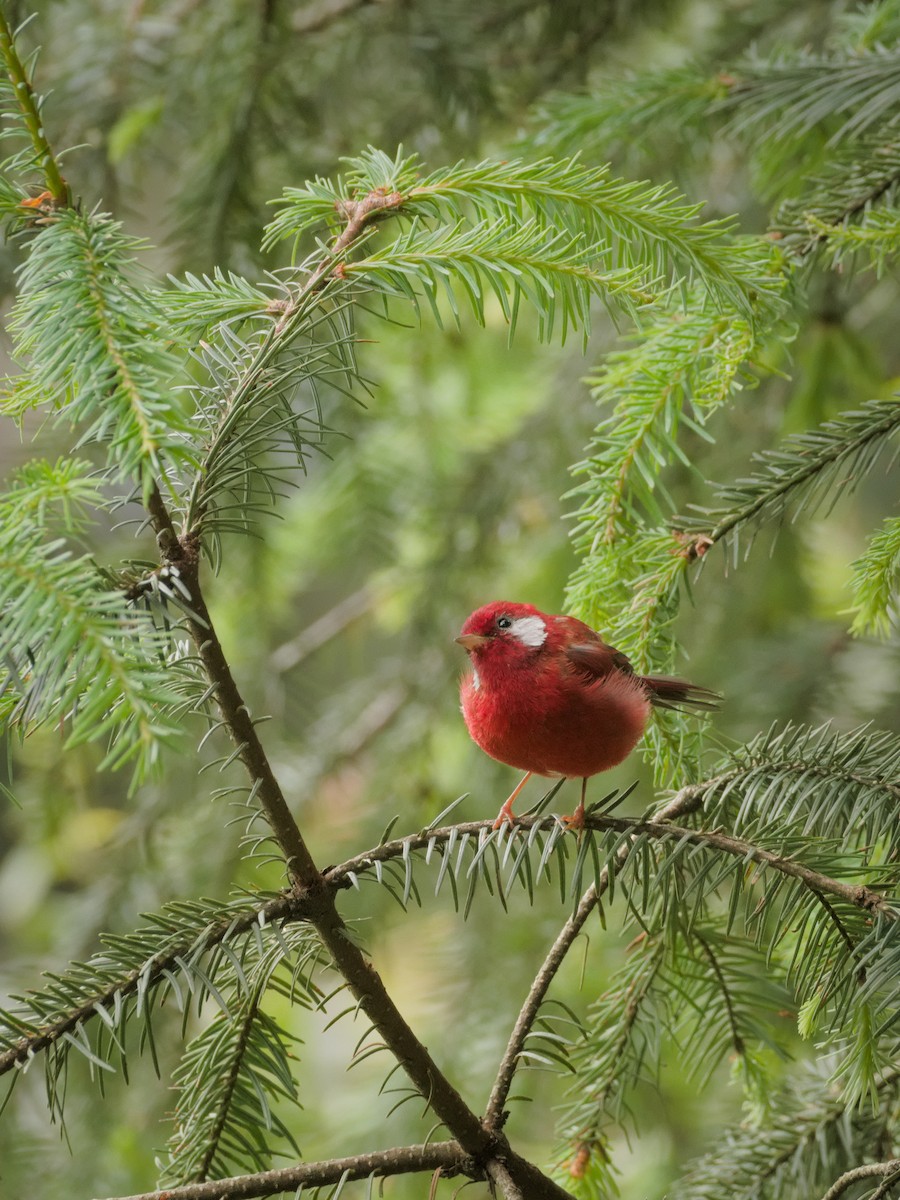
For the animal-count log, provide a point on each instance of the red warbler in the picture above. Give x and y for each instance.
(546, 694)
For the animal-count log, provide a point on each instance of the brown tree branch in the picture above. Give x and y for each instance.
(318, 906)
(890, 1170)
(687, 800)
(294, 906)
(447, 1157)
(661, 827)
(241, 729)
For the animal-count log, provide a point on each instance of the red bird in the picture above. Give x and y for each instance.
(547, 695)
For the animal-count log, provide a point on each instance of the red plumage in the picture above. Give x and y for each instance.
(549, 696)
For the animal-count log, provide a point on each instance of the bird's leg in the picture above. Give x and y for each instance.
(506, 812)
(576, 821)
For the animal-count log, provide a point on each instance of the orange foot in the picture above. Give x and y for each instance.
(506, 812)
(576, 820)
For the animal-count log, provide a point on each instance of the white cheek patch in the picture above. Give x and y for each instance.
(531, 631)
(476, 680)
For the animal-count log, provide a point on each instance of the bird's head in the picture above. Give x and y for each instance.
(503, 630)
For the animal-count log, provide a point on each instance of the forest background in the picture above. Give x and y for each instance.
(462, 464)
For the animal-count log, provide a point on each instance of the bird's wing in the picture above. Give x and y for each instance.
(597, 660)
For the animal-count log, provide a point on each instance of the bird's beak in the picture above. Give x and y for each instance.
(471, 641)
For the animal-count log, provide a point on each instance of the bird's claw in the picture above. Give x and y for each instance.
(503, 816)
(575, 821)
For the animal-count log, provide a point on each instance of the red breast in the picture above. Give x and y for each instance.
(529, 702)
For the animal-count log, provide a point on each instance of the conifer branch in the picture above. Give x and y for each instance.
(240, 725)
(40, 1031)
(687, 800)
(30, 107)
(363, 980)
(810, 1133)
(874, 576)
(857, 895)
(796, 469)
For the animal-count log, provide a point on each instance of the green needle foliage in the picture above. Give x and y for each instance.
(74, 652)
(875, 580)
(95, 349)
(748, 898)
(810, 1140)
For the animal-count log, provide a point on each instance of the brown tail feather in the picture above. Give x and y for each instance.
(666, 692)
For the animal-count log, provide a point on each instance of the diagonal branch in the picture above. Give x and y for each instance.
(289, 316)
(687, 800)
(800, 461)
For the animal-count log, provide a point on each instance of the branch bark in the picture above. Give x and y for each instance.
(858, 895)
(447, 1157)
(888, 1169)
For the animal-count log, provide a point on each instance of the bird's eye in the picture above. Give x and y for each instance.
(504, 622)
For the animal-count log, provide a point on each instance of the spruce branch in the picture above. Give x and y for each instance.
(859, 896)
(812, 1135)
(364, 982)
(228, 1080)
(97, 352)
(30, 106)
(324, 274)
(849, 205)
(642, 223)
(527, 230)
(800, 472)
(72, 651)
(878, 238)
(874, 577)
(125, 971)
(238, 722)
(677, 371)
(844, 94)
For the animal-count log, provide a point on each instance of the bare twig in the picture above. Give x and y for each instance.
(447, 1157)
(890, 1170)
